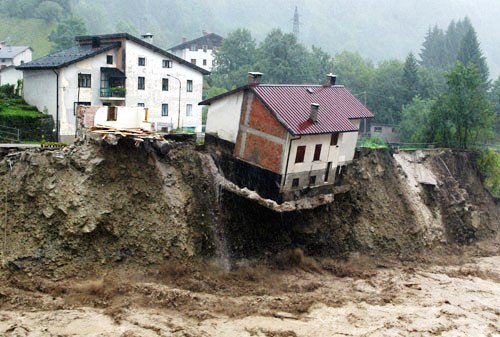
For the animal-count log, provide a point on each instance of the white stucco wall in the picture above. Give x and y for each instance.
(70, 93)
(126, 117)
(40, 90)
(348, 146)
(153, 97)
(24, 57)
(10, 75)
(199, 55)
(224, 117)
(339, 154)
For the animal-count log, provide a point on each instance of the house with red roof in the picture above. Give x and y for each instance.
(284, 141)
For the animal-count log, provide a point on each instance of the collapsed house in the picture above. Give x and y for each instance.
(284, 141)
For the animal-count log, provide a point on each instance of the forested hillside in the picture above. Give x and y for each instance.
(378, 30)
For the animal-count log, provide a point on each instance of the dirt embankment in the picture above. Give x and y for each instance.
(387, 210)
(92, 207)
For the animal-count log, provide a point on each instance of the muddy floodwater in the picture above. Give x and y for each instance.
(377, 299)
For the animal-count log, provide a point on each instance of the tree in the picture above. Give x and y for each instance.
(432, 49)
(49, 11)
(234, 59)
(385, 97)
(320, 63)
(64, 35)
(470, 53)
(415, 121)
(281, 58)
(353, 71)
(410, 81)
(462, 115)
(494, 96)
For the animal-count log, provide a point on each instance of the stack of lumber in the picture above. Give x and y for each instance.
(136, 133)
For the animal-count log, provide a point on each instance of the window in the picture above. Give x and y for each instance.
(112, 112)
(204, 62)
(295, 182)
(189, 86)
(84, 80)
(193, 61)
(141, 83)
(167, 64)
(109, 59)
(164, 84)
(301, 151)
(189, 110)
(164, 109)
(193, 47)
(142, 61)
(312, 180)
(377, 129)
(317, 152)
(335, 139)
(140, 105)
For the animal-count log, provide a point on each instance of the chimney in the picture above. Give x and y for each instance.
(205, 33)
(254, 77)
(184, 39)
(2, 44)
(331, 79)
(314, 112)
(148, 37)
(96, 42)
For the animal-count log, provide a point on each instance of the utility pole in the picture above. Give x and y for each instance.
(179, 112)
(296, 23)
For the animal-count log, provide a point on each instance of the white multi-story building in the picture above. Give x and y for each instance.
(199, 51)
(10, 57)
(119, 70)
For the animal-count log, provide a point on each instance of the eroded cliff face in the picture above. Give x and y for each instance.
(92, 207)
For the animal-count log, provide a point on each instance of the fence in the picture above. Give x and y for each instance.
(9, 134)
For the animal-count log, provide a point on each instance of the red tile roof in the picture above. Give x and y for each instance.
(291, 104)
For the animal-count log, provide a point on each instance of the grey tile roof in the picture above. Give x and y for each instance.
(9, 52)
(67, 57)
(106, 37)
(210, 40)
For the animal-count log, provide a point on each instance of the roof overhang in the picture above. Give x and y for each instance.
(113, 72)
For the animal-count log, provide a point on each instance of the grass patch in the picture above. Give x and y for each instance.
(374, 143)
(489, 164)
(28, 32)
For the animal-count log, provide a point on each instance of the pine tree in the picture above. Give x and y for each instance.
(470, 53)
(410, 79)
(432, 49)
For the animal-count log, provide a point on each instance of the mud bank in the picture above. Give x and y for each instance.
(88, 208)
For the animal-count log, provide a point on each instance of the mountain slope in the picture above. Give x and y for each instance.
(30, 32)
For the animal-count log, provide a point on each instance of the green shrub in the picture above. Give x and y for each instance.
(489, 164)
(374, 143)
(7, 91)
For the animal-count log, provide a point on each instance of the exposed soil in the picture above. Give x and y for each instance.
(121, 241)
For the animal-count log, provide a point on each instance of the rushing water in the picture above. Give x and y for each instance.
(220, 240)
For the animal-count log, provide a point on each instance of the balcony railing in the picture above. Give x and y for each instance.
(112, 92)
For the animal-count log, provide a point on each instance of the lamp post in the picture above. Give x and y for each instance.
(180, 89)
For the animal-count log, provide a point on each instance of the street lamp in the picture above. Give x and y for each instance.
(180, 89)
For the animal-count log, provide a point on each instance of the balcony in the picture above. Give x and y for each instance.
(114, 93)
(112, 84)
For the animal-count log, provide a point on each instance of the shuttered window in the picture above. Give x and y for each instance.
(301, 152)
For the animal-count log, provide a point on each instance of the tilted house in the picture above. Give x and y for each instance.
(284, 141)
(115, 70)
(199, 51)
(10, 57)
